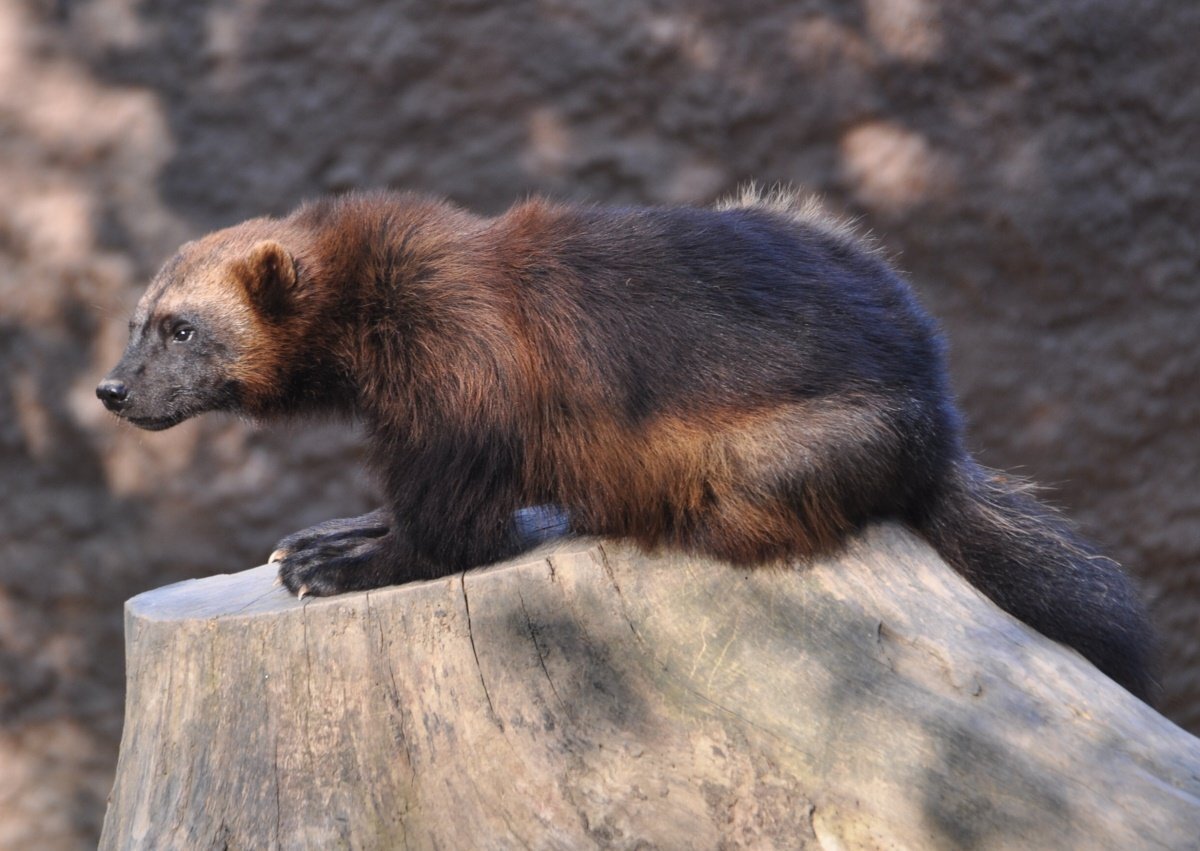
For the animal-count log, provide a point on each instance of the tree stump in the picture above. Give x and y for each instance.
(588, 695)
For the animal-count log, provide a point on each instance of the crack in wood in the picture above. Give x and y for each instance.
(538, 650)
(308, 688)
(462, 581)
(373, 617)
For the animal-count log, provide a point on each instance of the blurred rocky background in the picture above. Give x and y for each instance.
(1032, 165)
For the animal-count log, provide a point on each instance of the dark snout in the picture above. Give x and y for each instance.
(150, 395)
(113, 393)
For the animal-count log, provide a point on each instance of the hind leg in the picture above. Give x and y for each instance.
(789, 482)
(809, 475)
(750, 529)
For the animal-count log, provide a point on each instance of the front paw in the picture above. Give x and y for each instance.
(329, 567)
(348, 531)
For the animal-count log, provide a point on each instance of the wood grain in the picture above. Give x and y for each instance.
(588, 695)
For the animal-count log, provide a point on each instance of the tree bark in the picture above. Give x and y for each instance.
(588, 695)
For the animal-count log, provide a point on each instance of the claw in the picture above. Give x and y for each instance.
(278, 555)
(278, 580)
(303, 590)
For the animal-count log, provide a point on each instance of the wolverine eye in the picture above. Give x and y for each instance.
(183, 333)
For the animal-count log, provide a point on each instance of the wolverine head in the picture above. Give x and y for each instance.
(204, 336)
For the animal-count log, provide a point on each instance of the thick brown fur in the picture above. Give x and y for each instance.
(751, 383)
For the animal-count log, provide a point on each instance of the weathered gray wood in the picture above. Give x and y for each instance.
(587, 695)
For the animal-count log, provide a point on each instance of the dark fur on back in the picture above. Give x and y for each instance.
(750, 383)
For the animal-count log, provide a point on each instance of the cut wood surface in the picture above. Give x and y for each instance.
(588, 695)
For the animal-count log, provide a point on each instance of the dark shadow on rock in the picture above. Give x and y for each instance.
(959, 794)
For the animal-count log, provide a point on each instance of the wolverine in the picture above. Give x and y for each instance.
(752, 382)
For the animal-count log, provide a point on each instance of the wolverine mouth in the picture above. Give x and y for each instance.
(157, 423)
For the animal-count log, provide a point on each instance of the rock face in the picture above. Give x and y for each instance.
(1032, 166)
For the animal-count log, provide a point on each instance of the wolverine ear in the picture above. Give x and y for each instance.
(269, 275)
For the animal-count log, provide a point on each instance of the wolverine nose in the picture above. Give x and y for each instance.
(112, 393)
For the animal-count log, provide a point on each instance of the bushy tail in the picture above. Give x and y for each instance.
(1029, 561)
